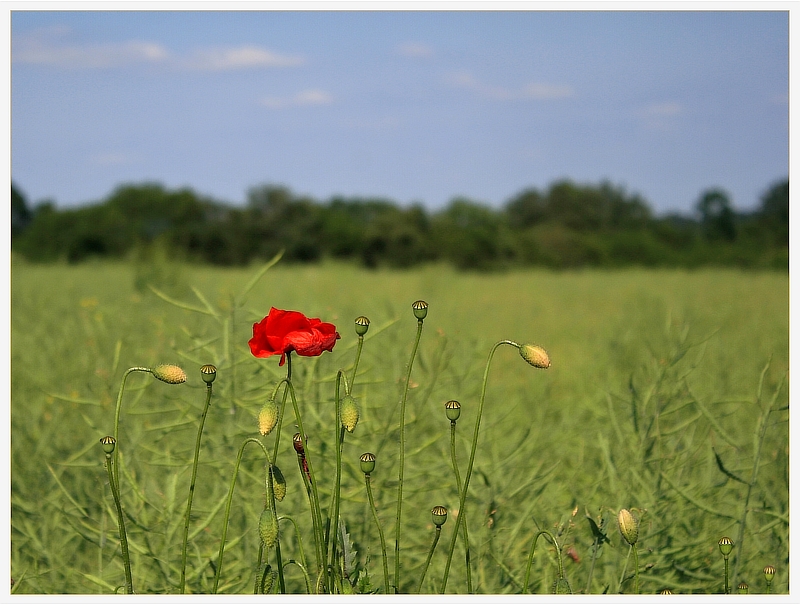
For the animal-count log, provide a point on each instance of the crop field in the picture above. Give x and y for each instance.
(667, 396)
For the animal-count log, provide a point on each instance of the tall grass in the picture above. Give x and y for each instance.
(667, 395)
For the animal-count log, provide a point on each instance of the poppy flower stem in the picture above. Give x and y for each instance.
(123, 536)
(430, 556)
(191, 489)
(550, 537)
(116, 417)
(380, 533)
(465, 533)
(228, 506)
(337, 487)
(402, 459)
(316, 515)
(355, 365)
(463, 498)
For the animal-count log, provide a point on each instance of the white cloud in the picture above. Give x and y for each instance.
(537, 91)
(305, 97)
(415, 49)
(242, 57)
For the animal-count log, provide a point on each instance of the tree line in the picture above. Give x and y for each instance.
(565, 226)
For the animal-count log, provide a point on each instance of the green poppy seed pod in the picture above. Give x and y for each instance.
(268, 417)
(349, 412)
(367, 463)
(420, 309)
(725, 546)
(362, 325)
(453, 410)
(208, 373)
(769, 573)
(278, 483)
(561, 586)
(109, 443)
(743, 588)
(439, 515)
(535, 355)
(268, 527)
(666, 591)
(169, 373)
(628, 526)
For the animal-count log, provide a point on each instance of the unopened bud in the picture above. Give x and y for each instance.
(535, 355)
(561, 586)
(628, 526)
(278, 483)
(268, 527)
(349, 413)
(268, 417)
(168, 373)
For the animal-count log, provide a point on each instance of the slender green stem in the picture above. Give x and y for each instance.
(430, 555)
(635, 569)
(547, 534)
(228, 507)
(123, 536)
(402, 460)
(302, 564)
(191, 489)
(355, 365)
(727, 587)
(116, 416)
(463, 498)
(625, 569)
(270, 480)
(259, 581)
(337, 487)
(315, 509)
(305, 573)
(465, 532)
(380, 532)
(595, 548)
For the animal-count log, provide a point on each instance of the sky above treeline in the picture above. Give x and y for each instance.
(412, 106)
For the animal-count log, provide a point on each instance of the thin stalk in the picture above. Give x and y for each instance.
(727, 587)
(191, 489)
(402, 459)
(302, 564)
(123, 536)
(595, 548)
(463, 498)
(380, 532)
(259, 581)
(635, 569)
(547, 534)
(228, 507)
(465, 533)
(116, 416)
(271, 502)
(355, 365)
(337, 487)
(430, 555)
(625, 569)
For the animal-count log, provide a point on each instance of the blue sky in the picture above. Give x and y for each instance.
(410, 106)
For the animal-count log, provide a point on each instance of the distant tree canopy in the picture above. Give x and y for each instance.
(568, 225)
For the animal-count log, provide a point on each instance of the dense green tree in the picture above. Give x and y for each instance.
(716, 215)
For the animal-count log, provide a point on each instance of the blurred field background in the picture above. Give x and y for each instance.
(655, 401)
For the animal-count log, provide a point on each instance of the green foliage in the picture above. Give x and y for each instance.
(665, 387)
(567, 226)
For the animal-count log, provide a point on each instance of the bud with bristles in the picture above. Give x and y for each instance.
(268, 527)
(367, 463)
(628, 526)
(362, 325)
(267, 580)
(208, 373)
(453, 410)
(108, 443)
(561, 586)
(268, 417)
(420, 308)
(535, 355)
(169, 373)
(439, 515)
(349, 413)
(725, 546)
(278, 483)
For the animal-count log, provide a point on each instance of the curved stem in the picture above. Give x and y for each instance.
(355, 365)
(402, 460)
(302, 564)
(191, 489)
(123, 537)
(463, 498)
(380, 532)
(228, 507)
(465, 533)
(271, 503)
(546, 533)
(116, 416)
(430, 555)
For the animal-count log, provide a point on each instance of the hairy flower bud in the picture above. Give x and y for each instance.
(278, 482)
(268, 417)
(535, 355)
(268, 527)
(349, 412)
(367, 463)
(208, 373)
(439, 515)
(362, 325)
(169, 373)
(420, 308)
(628, 526)
(561, 586)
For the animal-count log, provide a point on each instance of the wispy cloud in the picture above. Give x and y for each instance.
(48, 48)
(306, 97)
(111, 159)
(536, 91)
(415, 49)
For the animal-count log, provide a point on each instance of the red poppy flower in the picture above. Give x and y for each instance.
(285, 331)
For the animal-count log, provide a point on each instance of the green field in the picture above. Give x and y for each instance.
(667, 395)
